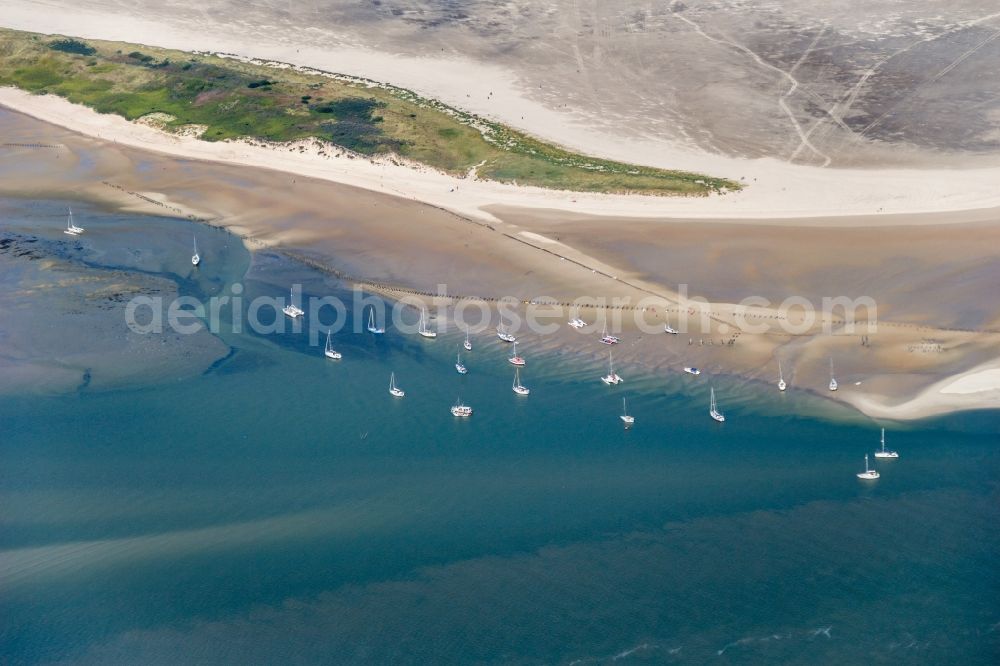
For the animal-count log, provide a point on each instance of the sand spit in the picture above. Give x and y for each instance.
(978, 388)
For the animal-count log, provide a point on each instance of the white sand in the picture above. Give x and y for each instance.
(776, 189)
(975, 382)
(979, 388)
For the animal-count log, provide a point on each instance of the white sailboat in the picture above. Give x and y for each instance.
(291, 309)
(713, 410)
(71, 227)
(883, 453)
(625, 417)
(467, 344)
(458, 365)
(609, 339)
(612, 378)
(372, 327)
(781, 379)
(518, 388)
(393, 389)
(195, 258)
(458, 409)
(424, 331)
(833, 382)
(330, 352)
(576, 322)
(514, 358)
(667, 328)
(503, 334)
(868, 474)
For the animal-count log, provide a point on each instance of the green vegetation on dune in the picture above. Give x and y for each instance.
(233, 99)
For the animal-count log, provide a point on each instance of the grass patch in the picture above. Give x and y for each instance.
(234, 99)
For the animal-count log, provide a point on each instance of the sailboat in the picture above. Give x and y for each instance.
(503, 334)
(467, 344)
(195, 258)
(667, 328)
(424, 331)
(71, 227)
(626, 419)
(514, 358)
(330, 352)
(518, 388)
(372, 328)
(458, 409)
(833, 382)
(868, 474)
(612, 378)
(576, 322)
(458, 365)
(883, 453)
(608, 339)
(393, 389)
(291, 309)
(781, 379)
(713, 410)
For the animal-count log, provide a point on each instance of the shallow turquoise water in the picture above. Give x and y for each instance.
(283, 508)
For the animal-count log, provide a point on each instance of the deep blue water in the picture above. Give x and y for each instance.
(284, 508)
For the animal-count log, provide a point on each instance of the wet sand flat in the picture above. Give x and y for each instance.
(379, 238)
